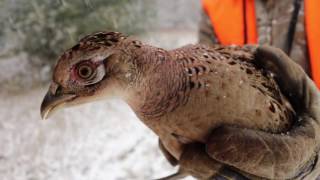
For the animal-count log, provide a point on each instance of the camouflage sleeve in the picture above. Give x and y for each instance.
(206, 31)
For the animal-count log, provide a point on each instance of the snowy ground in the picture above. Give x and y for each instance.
(98, 141)
(102, 140)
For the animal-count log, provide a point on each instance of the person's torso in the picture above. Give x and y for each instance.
(273, 21)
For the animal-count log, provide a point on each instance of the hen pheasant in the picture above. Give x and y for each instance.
(182, 94)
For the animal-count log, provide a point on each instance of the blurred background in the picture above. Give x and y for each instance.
(98, 141)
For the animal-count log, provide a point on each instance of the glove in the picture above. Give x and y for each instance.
(276, 156)
(195, 161)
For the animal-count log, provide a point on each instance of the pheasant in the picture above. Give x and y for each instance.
(181, 94)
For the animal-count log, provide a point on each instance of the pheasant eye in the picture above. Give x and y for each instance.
(85, 71)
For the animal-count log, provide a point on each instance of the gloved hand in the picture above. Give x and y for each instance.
(195, 161)
(276, 156)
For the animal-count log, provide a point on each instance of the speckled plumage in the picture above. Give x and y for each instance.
(195, 88)
(182, 94)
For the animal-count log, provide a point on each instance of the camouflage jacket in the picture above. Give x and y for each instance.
(273, 19)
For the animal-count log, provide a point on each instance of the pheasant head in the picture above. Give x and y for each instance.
(97, 67)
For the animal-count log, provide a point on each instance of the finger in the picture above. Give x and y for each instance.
(196, 162)
(264, 154)
(292, 79)
(289, 74)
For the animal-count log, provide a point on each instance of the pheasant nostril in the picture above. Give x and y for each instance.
(58, 90)
(55, 88)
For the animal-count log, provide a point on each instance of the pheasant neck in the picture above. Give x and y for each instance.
(157, 83)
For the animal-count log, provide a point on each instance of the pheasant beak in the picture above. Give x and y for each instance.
(54, 101)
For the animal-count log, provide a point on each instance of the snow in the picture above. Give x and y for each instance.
(101, 140)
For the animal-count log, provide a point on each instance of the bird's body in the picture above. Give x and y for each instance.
(182, 94)
(191, 90)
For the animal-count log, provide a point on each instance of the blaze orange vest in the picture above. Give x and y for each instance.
(234, 22)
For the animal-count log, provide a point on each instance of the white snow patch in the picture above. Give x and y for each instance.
(98, 141)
